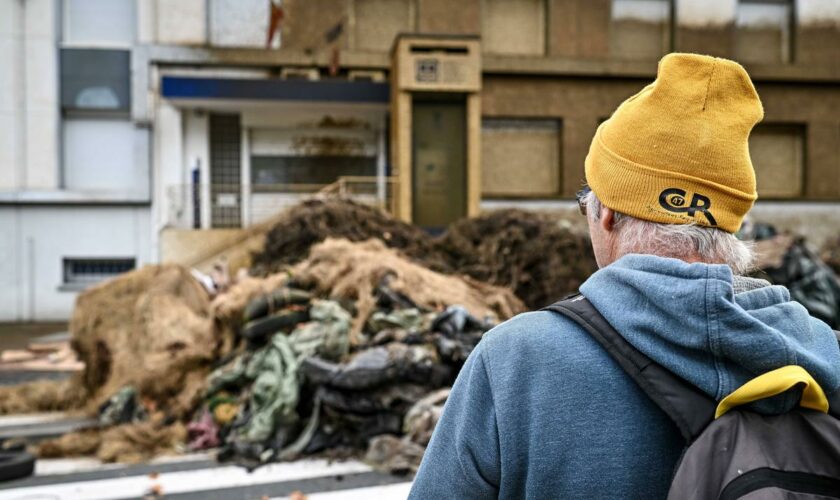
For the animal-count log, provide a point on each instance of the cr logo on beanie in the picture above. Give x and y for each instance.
(677, 151)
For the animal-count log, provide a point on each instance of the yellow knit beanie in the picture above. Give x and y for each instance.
(677, 151)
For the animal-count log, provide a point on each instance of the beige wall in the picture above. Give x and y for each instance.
(577, 28)
(513, 26)
(581, 102)
(777, 153)
(435, 16)
(307, 21)
(377, 22)
(556, 28)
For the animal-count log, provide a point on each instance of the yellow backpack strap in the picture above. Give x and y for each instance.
(777, 382)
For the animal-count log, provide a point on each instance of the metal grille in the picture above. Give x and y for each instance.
(87, 271)
(225, 174)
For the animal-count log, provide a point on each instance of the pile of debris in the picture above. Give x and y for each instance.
(349, 345)
(354, 345)
(314, 220)
(531, 253)
(831, 254)
(785, 259)
(535, 255)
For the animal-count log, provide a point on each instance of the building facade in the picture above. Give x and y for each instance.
(138, 131)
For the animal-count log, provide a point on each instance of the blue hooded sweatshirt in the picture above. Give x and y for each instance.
(540, 410)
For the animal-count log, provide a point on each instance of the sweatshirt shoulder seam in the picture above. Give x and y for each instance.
(488, 372)
(458, 456)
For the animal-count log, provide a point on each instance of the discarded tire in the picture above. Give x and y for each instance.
(15, 465)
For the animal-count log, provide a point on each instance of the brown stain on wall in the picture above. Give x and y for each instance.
(818, 45)
(307, 21)
(579, 28)
(714, 41)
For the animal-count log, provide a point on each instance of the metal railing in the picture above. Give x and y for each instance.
(205, 206)
(381, 192)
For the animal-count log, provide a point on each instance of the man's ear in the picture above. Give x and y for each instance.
(607, 219)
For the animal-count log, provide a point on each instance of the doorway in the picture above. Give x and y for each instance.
(439, 173)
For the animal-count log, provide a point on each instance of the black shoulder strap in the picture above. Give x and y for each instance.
(691, 409)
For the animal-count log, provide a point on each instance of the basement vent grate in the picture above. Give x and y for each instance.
(84, 271)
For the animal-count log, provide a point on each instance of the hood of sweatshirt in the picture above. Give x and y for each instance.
(689, 319)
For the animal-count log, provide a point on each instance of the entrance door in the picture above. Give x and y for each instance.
(439, 172)
(225, 176)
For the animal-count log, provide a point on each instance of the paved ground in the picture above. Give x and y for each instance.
(18, 335)
(194, 477)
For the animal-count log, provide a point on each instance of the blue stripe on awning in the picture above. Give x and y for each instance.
(177, 87)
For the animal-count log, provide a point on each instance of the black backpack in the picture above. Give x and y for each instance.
(732, 452)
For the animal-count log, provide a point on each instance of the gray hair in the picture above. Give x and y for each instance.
(678, 241)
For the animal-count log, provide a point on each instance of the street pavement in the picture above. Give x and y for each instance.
(197, 476)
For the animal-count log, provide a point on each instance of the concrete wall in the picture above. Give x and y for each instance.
(170, 198)
(818, 36)
(180, 22)
(377, 22)
(435, 16)
(29, 114)
(42, 112)
(578, 28)
(308, 21)
(589, 29)
(35, 239)
(238, 23)
(12, 83)
(581, 103)
(513, 27)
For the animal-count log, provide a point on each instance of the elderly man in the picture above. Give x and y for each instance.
(540, 409)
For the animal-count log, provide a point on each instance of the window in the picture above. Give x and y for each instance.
(239, 23)
(513, 26)
(99, 141)
(777, 154)
(310, 156)
(98, 155)
(377, 22)
(640, 29)
(520, 158)
(764, 31)
(271, 171)
(98, 136)
(99, 22)
(86, 271)
(95, 79)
